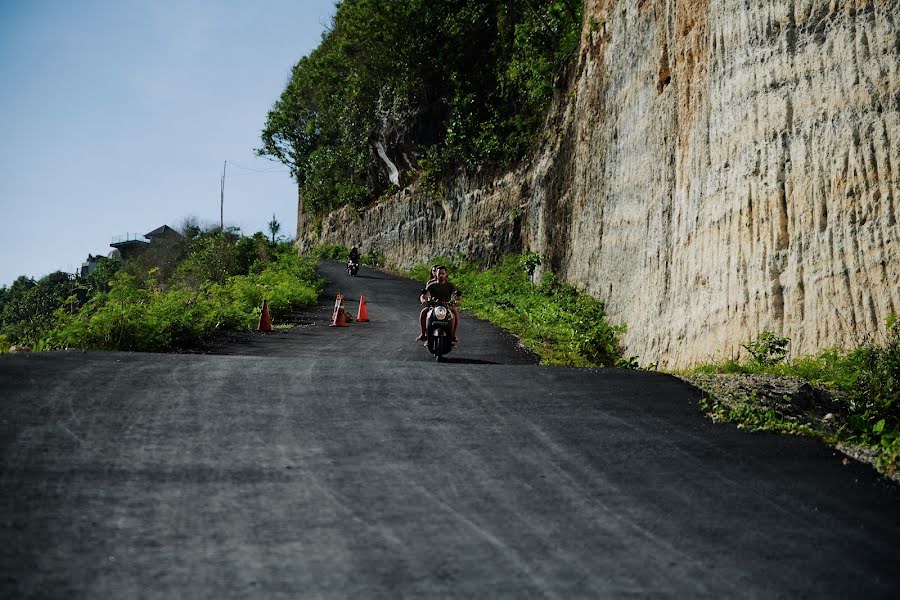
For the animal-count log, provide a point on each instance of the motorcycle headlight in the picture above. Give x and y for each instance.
(440, 313)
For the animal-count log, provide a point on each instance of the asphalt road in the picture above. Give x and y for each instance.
(344, 463)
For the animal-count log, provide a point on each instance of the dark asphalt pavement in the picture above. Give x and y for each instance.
(347, 464)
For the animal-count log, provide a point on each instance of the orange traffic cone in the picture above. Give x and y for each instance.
(363, 315)
(338, 316)
(265, 324)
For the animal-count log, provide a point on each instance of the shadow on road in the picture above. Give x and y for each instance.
(468, 361)
(370, 275)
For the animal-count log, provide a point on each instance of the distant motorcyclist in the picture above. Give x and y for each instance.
(353, 261)
(443, 291)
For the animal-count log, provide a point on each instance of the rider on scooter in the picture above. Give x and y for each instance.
(443, 291)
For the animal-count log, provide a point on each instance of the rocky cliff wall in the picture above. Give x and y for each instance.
(716, 169)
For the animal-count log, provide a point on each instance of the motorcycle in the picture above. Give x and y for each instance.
(438, 328)
(352, 267)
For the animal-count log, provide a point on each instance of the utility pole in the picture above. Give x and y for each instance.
(222, 201)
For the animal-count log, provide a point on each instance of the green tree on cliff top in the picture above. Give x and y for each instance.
(450, 84)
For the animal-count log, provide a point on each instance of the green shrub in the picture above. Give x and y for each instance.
(29, 306)
(330, 252)
(767, 349)
(373, 258)
(113, 320)
(132, 317)
(278, 284)
(628, 362)
(530, 262)
(218, 283)
(100, 279)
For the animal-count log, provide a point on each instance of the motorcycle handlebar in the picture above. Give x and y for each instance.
(433, 302)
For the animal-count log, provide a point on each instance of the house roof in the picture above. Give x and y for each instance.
(163, 231)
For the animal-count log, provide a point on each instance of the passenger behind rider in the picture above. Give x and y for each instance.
(423, 297)
(443, 291)
(354, 254)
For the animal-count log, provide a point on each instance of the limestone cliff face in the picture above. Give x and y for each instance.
(717, 168)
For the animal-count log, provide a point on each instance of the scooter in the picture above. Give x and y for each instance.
(352, 267)
(438, 329)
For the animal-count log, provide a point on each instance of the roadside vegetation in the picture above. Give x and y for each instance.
(173, 297)
(852, 398)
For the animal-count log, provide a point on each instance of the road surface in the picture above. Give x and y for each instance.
(344, 463)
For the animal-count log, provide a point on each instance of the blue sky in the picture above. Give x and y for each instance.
(116, 116)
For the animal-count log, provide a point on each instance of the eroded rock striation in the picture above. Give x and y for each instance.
(715, 169)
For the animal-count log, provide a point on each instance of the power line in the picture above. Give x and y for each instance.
(249, 171)
(257, 173)
(271, 170)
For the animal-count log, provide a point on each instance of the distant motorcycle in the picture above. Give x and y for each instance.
(438, 328)
(352, 267)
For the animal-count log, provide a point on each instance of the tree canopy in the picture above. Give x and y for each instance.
(432, 85)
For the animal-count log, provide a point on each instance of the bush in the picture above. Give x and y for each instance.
(373, 258)
(100, 279)
(278, 284)
(217, 282)
(767, 349)
(211, 258)
(330, 252)
(29, 306)
(134, 317)
(530, 262)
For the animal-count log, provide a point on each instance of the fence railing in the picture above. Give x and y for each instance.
(128, 237)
